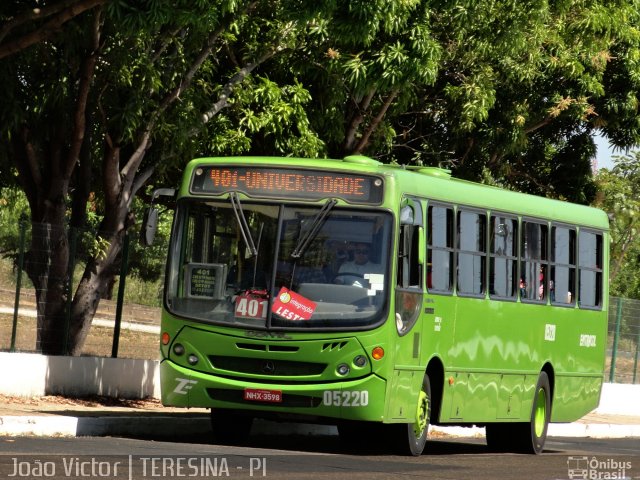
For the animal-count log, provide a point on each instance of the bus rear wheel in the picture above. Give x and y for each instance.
(527, 437)
(411, 438)
(229, 427)
(535, 435)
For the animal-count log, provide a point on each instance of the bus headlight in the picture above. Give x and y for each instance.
(178, 349)
(343, 369)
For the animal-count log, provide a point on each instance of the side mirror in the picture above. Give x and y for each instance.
(149, 226)
(150, 218)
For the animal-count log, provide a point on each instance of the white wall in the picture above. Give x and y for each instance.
(29, 375)
(620, 399)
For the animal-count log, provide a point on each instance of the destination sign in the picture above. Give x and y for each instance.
(206, 280)
(288, 183)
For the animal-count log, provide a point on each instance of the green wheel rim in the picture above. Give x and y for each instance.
(422, 414)
(540, 415)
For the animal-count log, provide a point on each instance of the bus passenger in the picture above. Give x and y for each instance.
(523, 288)
(541, 292)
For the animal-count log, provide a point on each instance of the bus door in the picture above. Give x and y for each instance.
(439, 304)
(408, 370)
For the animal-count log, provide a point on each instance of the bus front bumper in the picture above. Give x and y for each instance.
(359, 399)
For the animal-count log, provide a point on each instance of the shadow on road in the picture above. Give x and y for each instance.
(329, 444)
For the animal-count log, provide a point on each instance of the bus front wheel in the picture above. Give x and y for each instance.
(411, 438)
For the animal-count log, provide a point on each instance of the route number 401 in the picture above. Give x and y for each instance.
(337, 398)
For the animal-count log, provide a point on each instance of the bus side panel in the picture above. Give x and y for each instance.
(490, 364)
(482, 397)
(510, 396)
(406, 379)
(403, 396)
(438, 328)
(578, 350)
(499, 349)
(574, 397)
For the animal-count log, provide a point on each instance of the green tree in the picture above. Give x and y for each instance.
(13, 210)
(620, 197)
(23, 27)
(82, 110)
(513, 90)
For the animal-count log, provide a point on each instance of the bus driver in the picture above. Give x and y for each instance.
(360, 265)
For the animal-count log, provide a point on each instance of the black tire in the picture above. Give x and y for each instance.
(230, 428)
(525, 437)
(534, 434)
(411, 438)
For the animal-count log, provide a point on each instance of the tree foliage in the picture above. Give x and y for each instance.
(619, 196)
(513, 90)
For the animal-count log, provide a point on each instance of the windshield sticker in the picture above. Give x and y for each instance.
(376, 282)
(288, 304)
(251, 304)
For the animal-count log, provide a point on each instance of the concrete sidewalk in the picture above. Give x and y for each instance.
(57, 416)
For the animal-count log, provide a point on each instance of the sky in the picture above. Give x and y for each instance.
(605, 152)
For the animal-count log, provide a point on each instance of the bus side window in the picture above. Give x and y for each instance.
(409, 266)
(562, 279)
(590, 269)
(503, 261)
(440, 223)
(471, 252)
(533, 265)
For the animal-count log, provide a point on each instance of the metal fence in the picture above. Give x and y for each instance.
(119, 329)
(623, 341)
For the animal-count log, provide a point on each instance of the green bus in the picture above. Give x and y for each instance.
(381, 299)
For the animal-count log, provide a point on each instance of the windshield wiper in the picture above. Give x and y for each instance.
(242, 223)
(305, 240)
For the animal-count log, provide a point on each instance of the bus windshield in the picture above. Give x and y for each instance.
(258, 265)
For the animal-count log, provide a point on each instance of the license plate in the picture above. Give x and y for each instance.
(259, 395)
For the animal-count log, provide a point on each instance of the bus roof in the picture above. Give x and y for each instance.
(432, 183)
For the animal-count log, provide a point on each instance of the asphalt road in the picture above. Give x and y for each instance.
(308, 457)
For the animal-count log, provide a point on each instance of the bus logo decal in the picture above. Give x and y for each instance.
(184, 385)
(550, 332)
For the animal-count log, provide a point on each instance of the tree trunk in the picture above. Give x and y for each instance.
(47, 265)
(92, 287)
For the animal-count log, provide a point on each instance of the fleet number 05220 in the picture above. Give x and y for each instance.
(337, 398)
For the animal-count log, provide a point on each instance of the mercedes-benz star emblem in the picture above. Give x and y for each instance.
(268, 367)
